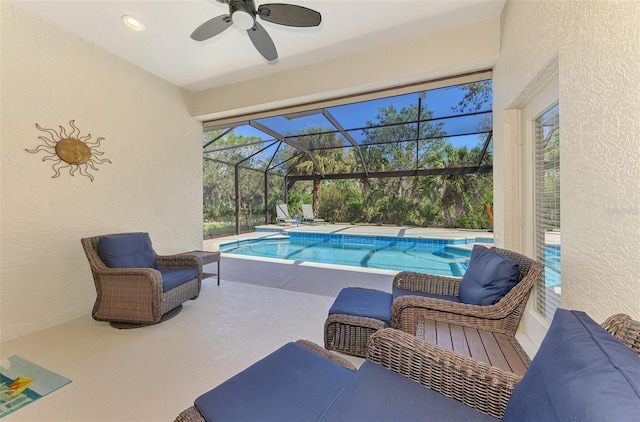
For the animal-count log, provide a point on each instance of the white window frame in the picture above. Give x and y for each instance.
(533, 324)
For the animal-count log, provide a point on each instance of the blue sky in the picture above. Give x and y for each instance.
(439, 101)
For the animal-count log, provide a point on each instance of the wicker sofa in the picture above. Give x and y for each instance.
(135, 286)
(583, 371)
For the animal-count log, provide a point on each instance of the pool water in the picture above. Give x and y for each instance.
(438, 260)
(426, 256)
(552, 266)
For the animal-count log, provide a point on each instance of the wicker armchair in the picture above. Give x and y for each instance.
(128, 297)
(502, 317)
(476, 384)
(625, 329)
(350, 333)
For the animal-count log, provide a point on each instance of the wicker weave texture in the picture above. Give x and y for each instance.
(476, 384)
(309, 345)
(135, 294)
(503, 317)
(625, 329)
(349, 334)
(190, 415)
(180, 294)
(481, 386)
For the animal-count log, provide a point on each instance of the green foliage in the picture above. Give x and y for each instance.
(388, 144)
(478, 96)
(340, 200)
(219, 228)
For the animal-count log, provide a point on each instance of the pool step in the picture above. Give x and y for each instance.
(457, 268)
(459, 250)
(464, 249)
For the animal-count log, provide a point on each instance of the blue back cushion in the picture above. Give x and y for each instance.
(131, 250)
(291, 384)
(488, 278)
(580, 373)
(374, 304)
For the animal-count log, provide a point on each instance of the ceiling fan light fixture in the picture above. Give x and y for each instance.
(242, 19)
(133, 23)
(242, 14)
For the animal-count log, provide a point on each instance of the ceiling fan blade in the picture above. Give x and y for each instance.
(289, 15)
(211, 28)
(263, 42)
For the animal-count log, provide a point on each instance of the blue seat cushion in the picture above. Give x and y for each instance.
(374, 304)
(173, 277)
(379, 394)
(131, 250)
(397, 292)
(488, 278)
(291, 384)
(580, 373)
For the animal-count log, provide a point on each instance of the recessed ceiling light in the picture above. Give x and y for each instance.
(133, 23)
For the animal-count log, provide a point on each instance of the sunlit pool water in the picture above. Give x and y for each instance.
(400, 257)
(429, 256)
(552, 266)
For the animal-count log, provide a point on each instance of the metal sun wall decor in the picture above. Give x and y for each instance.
(70, 151)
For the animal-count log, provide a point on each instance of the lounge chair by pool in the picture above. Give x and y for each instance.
(282, 214)
(307, 211)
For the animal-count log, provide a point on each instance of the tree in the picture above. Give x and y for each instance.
(219, 175)
(396, 138)
(327, 153)
(452, 188)
(393, 141)
(478, 96)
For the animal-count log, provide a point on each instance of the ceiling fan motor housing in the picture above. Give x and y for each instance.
(243, 13)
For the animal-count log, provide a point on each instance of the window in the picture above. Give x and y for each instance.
(546, 136)
(420, 158)
(536, 114)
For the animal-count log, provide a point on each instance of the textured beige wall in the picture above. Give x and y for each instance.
(597, 46)
(154, 183)
(453, 51)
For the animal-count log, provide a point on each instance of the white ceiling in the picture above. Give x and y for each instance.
(166, 50)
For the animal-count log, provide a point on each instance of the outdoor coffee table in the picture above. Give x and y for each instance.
(207, 257)
(495, 349)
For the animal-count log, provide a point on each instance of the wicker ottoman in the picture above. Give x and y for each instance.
(354, 316)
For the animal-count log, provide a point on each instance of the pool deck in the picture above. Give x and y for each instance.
(354, 230)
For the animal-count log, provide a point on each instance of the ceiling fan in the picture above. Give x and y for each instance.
(242, 13)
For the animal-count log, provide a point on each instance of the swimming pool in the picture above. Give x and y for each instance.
(552, 268)
(431, 256)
